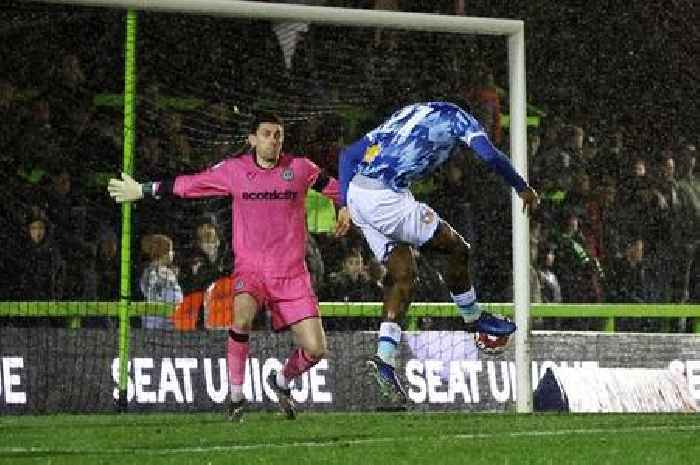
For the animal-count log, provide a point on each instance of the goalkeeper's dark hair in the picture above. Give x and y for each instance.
(258, 117)
(263, 116)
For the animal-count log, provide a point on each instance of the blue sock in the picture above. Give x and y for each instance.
(389, 338)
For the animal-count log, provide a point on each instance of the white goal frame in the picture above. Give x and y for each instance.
(513, 30)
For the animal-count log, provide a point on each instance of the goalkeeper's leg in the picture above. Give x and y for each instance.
(245, 307)
(491, 332)
(311, 347)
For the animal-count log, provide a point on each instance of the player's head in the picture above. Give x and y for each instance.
(461, 102)
(266, 135)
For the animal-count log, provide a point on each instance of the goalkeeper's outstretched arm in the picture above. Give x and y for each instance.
(215, 181)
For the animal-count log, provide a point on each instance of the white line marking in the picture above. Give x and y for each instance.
(333, 443)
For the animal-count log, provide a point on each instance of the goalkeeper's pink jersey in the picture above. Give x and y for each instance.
(269, 216)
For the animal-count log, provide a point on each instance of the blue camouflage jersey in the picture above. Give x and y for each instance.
(414, 142)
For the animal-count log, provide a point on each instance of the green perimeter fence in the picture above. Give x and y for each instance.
(609, 312)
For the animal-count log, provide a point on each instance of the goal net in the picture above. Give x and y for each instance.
(131, 305)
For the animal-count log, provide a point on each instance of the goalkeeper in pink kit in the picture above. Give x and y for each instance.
(268, 191)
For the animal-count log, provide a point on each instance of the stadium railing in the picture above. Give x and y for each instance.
(609, 312)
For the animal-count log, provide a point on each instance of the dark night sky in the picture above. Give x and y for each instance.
(619, 60)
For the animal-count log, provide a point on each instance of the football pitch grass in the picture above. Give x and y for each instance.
(351, 438)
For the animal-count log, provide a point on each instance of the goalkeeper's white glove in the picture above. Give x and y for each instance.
(127, 190)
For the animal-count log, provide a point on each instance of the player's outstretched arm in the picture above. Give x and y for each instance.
(125, 190)
(501, 165)
(530, 199)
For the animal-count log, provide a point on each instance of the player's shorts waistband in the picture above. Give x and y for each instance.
(364, 182)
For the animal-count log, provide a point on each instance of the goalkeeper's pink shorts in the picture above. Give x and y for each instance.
(289, 300)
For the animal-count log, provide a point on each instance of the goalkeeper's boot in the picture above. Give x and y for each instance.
(234, 410)
(284, 397)
(388, 382)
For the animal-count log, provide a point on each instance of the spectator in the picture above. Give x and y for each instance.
(107, 266)
(42, 274)
(572, 141)
(548, 289)
(534, 140)
(645, 209)
(322, 140)
(551, 291)
(206, 262)
(688, 188)
(549, 161)
(314, 262)
(67, 211)
(628, 276)
(609, 207)
(158, 281)
(629, 283)
(609, 159)
(352, 283)
(547, 141)
(484, 95)
(208, 259)
(583, 201)
(577, 270)
(671, 253)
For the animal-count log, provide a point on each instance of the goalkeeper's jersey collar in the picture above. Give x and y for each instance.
(255, 160)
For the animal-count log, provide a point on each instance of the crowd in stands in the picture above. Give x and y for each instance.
(619, 220)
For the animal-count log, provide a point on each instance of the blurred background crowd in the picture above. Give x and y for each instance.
(612, 134)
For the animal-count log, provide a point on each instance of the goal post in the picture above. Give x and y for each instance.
(521, 230)
(513, 30)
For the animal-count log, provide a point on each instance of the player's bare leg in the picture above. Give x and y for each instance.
(311, 347)
(245, 307)
(491, 332)
(399, 289)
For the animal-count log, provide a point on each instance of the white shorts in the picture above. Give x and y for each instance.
(387, 218)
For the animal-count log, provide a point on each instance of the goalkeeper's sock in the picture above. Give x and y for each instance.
(389, 338)
(236, 356)
(237, 393)
(296, 364)
(467, 305)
